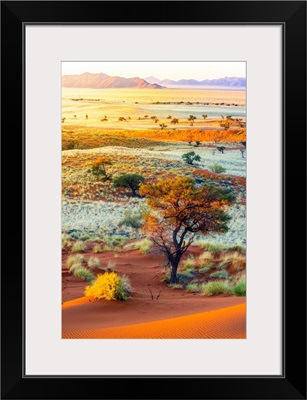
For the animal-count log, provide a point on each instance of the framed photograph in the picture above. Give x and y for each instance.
(162, 149)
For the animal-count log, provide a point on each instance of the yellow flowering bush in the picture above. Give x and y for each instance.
(109, 286)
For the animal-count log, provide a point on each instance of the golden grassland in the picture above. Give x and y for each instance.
(78, 137)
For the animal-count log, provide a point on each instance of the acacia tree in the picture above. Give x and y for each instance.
(131, 181)
(99, 167)
(179, 212)
(190, 157)
(191, 119)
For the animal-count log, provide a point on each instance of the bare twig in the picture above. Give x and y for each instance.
(151, 294)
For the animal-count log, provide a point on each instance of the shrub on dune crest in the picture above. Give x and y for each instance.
(109, 286)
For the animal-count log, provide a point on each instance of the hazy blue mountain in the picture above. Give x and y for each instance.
(226, 82)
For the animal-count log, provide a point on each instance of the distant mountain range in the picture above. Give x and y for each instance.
(104, 81)
(226, 82)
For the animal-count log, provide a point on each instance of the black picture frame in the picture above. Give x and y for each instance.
(292, 16)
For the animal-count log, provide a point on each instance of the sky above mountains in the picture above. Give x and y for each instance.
(161, 70)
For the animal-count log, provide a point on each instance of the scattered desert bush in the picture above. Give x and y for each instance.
(188, 265)
(78, 258)
(134, 219)
(75, 266)
(176, 286)
(110, 266)
(238, 260)
(114, 242)
(214, 288)
(239, 289)
(213, 248)
(190, 157)
(97, 248)
(193, 287)
(205, 269)
(238, 248)
(206, 255)
(78, 246)
(66, 244)
(84, 274)
(93, 262)
(130, 181)
(217, 168)
(143, 245)
(219, 274)
(109, 286)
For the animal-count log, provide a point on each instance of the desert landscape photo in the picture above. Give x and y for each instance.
(154, 200)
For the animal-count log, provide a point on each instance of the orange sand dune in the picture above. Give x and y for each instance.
(224, 323)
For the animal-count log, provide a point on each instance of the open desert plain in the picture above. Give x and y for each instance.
(153, 209)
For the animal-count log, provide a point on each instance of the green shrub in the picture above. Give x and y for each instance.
(217, 168)
(213, 248)
(239, 289)
(84, 274)
(75, 266)
(205, 269)
(238, 248)
(167, 277)
(114, 242)
(93, 262)
(97, 248)
(143, 245)
(123, 289)
(78, 246)
(193, 287)
(188, 265)
(78, 258)
(85, 237)
(134, 219)
(176, 286)
(214, 288)
(219, 274)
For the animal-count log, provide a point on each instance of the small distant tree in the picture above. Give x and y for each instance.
(130, 181)
(225, 125)
(204, 116)
(86, 117)
(169, 117)
(180, 212)
(221, 149)
(175, 121)
(197, 143)
(192, 118)
(63, 120)
(190, 157)
(156, 120)
(243, 143)
(162, 126)
(122, 119)
(99, 167)
(242, 152)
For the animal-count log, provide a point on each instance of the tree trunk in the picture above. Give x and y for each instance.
(174, 268)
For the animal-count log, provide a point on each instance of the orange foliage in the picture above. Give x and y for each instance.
(96, 137)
